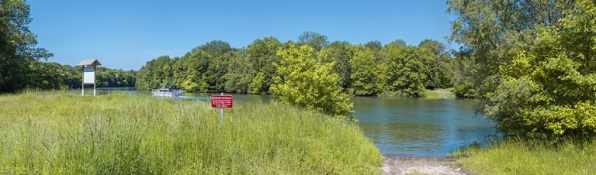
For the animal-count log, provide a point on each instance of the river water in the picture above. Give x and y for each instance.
(411, 127)
(420, 127)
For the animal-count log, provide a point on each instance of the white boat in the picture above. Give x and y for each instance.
(167, 91)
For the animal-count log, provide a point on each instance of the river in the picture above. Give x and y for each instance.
(417, 127)
(411, 127)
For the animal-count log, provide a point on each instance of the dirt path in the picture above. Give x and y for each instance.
(405, 165)
(445, 93)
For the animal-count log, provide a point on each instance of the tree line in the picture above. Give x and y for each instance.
(370, 69)
(51, 75)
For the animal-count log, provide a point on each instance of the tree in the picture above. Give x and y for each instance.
(407, 69)
(17, 46)
(463, 69)
(435, 47)
(364, 72)
(549, 90)
(72, 76)
(440, 70)
(341, 53)
(156, 73)
(257, 86)
(215, 47)
(491, 31)
(314, 40)
(309, 82)
(262, 54)
(240, 73)
(44, 75)
(206, 68)
(114, 77)
(374, 45)
(191, 69)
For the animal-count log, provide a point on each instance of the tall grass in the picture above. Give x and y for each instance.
(399, 94)
(432, 95)
(518, 156)
(62, 133)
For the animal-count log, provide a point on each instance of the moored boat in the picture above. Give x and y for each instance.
(167, 91)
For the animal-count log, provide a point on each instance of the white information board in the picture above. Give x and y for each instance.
(89, 76)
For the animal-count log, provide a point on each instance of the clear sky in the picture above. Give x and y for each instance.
(125, 34)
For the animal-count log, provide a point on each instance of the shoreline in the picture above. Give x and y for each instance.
(446, 95)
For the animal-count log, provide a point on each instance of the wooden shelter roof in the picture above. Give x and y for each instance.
(92, 62)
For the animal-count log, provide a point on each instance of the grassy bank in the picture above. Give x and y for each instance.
(429, 94)
(60, 133)
(530, 157)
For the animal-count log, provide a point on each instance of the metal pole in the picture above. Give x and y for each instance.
(222, 111)
(83, 80)
(94, 78)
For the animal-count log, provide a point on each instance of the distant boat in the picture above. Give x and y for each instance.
(167, 91)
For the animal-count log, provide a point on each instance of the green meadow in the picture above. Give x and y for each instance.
(65, 133)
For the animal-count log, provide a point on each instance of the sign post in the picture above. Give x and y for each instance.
(222, 101)
(88, 68)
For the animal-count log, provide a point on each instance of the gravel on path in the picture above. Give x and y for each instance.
(411, 165)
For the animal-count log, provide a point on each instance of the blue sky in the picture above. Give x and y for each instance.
(125, 34)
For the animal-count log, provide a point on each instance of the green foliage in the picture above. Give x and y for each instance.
(262, 54)
(44, 75)
(364, 73)
(113, 78)
(440, 71)
(239, 74)
(309, 82)
(216, 67)
(63, 133)
(18, 54)
(191, 69)
(549, 91)
(71, 76)
(490, 32)
(257, 85)
(314, 40)
(374, 45)
(156, 73)
(465, 89)
(406, 69)
(341, 53)
(463, 76)
(221, 53)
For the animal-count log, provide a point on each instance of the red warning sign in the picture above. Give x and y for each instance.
(222, 101)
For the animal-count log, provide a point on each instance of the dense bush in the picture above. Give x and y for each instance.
(549, 91)
(309, 82)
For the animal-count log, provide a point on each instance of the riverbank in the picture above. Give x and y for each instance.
(446, 94)
(64, 133)
(518, 156)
